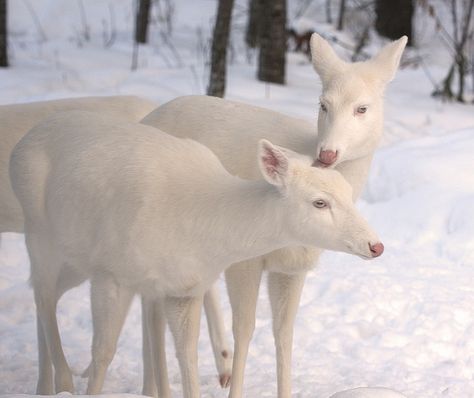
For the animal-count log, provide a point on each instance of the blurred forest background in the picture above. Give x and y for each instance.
(269, 29)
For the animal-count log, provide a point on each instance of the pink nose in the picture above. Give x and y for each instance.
(376, 249)
(327, 158)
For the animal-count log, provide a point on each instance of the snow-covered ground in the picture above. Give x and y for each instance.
(404, 321)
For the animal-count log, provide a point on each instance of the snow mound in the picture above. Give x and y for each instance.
(368, 393)
(443, 162)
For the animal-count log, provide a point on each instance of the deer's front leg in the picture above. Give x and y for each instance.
(155, 369)
(243, 282)
(285, 292)
(45, 384)
(183, 315)
(110, 303)
(149, 385)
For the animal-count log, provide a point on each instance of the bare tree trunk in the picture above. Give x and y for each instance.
(342, 11)
(86, 30)
(328, 12)
(141, 25)
(461, 64)
(3, 34)
(254, 23)
(220, 42)
(445, 90)
(272, 57)
(361, 43)
(394, 18)
(461, 60)
(459, 41)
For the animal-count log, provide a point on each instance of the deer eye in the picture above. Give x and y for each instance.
(323, 107)
(320, 204)
(362, 109)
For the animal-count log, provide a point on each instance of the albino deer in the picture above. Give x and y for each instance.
(17, 120)
(350, 125)
(136, 210)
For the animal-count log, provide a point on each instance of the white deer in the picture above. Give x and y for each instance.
(350, 125)
(16, 121)
(139, 211)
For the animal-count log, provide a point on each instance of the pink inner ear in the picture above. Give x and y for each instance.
(270, 161)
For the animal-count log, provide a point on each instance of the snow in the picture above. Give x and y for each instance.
(368, 393)
(404, 321)
(68, 395)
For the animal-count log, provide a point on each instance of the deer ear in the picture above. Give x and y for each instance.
(325, 60)
(273, 163)
(387, 60)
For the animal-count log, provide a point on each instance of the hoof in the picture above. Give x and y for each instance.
(224, 380)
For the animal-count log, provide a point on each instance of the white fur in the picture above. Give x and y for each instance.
(139, 211)
(155, 374)
(232, 129)
(16, 121)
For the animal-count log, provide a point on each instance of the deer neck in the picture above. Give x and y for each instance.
(356, 172)
(245, 220)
